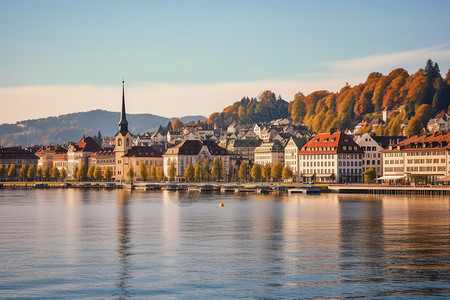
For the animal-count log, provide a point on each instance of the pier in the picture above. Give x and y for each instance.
(390, 190)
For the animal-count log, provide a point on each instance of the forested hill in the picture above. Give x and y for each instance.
(70, 127)
(420, 96)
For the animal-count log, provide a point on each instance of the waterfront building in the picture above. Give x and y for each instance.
(269, 153)
(127, 155)
(79, 153)
(193, 151)
(46, 155)
(18, 156)
(60, 161)
(291, 154)
(331, 158)
(243, 148)
(104, 158)
(372, 146)
(423, 158)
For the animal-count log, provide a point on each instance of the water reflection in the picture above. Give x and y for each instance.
(123, 242)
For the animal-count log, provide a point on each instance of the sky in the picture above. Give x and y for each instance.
(196, 57)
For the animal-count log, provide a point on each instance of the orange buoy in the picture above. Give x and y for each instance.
(221, 204)
(26, 194)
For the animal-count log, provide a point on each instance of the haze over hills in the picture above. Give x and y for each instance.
(70, 127)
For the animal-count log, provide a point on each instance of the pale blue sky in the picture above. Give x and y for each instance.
(182, 44)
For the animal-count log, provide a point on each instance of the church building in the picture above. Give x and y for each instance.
(129, 156)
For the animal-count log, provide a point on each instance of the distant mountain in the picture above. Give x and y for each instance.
(70, 127)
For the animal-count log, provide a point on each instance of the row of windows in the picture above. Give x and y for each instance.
(373, 162)
(393, 169)
(318, 164)
(372, 155)
(349, 163)
(422, 153)
(368, 148)
(393, 161)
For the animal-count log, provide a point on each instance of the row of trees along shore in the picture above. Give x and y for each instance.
(28, 173)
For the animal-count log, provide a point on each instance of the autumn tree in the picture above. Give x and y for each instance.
(90, 173)
(2, 171)
(97, 173)
(205, 170)
(189, 172)
(277, 170)
(143, 170)
(216, 170)
(266, 172)
(177, 125)
(107, 174)
(23, 172)
(82, 171)
(153, 172)
(256, 172)
(198, 170)
(63, 174)
(369, 175)
(75, 172)
(39, 173)
(130, 172)
(242, 173)
(160, 173)
(31, 174)
(46, 173)
(54, 173)
(12, 171)
(287, 173)
(172, 171)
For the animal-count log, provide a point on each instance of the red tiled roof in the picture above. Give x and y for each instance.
(426, 142)
(330, 143)
(50, 149)
(62, 156)
(106, 152)
(87, 144)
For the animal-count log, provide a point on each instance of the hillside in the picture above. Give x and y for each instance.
(70, 127)
(418, 96)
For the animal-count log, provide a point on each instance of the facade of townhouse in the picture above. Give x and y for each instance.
(243, 148)
(372, 146)
(104, 158)
(193, 151)
(79, 153)
(441, 122)
(291, 155)
(269, 153)
(331, 158)
(46, 154)
(423, 158)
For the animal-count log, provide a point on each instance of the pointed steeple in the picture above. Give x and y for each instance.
(123, 124)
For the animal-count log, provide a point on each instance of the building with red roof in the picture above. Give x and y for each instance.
(17, 156)
(421, 158)
(331, 158)
(79, 153)
(46, 155)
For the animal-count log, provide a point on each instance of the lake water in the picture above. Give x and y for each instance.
(116, 244)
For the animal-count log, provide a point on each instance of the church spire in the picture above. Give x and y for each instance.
(123, 124)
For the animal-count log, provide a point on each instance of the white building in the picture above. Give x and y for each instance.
(291, 154)
(331, 158)
(269, 153)
(439, 123)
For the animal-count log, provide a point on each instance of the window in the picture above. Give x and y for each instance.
(128, 142)
(119, 142)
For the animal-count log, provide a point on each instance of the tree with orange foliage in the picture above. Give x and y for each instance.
(177, 125)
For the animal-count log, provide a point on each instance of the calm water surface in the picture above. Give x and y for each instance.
(115, 245)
